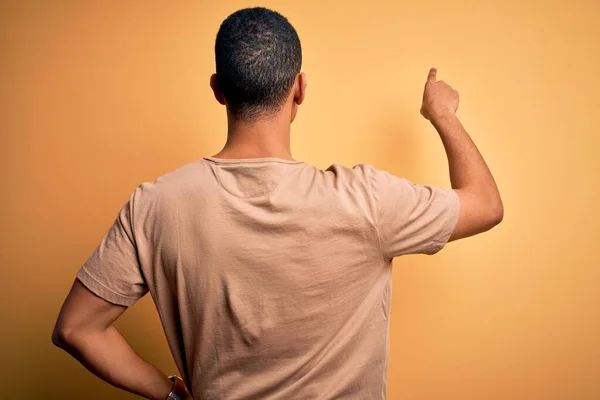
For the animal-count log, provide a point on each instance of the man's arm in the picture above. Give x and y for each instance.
(84, 329)
(480, 204)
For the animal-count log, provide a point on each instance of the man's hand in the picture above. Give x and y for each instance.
(439, 99)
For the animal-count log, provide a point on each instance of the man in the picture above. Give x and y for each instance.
(271, 277)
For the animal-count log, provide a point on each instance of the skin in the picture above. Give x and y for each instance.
(85, 324)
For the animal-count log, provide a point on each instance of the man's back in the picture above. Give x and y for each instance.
(271, 276)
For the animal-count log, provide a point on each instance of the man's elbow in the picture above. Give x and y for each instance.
(496, 214)
(63, 337)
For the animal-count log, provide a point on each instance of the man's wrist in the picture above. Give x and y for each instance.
(449, 128)
(178, 389)
(441, 118)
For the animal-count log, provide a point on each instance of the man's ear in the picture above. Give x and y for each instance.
(300, 88)
(214, 84)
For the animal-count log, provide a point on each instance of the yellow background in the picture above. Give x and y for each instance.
(97, 97)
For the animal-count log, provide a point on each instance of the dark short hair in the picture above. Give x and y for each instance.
(258, 56)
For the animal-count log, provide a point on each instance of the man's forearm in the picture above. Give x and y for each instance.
(111, 358)
(468, 169)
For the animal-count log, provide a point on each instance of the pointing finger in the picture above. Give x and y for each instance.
(432, 75)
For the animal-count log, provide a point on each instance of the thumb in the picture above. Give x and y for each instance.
(432, 75)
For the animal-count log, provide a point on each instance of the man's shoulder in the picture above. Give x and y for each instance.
(182, 178)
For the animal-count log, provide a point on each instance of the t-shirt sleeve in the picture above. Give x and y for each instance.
(113, 270)
(411, 218)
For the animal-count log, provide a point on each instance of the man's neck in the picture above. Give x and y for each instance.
(260, 139)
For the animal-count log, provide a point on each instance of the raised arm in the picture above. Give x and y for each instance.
(480, 204)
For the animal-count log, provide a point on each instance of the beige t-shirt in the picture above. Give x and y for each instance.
(272, 278)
